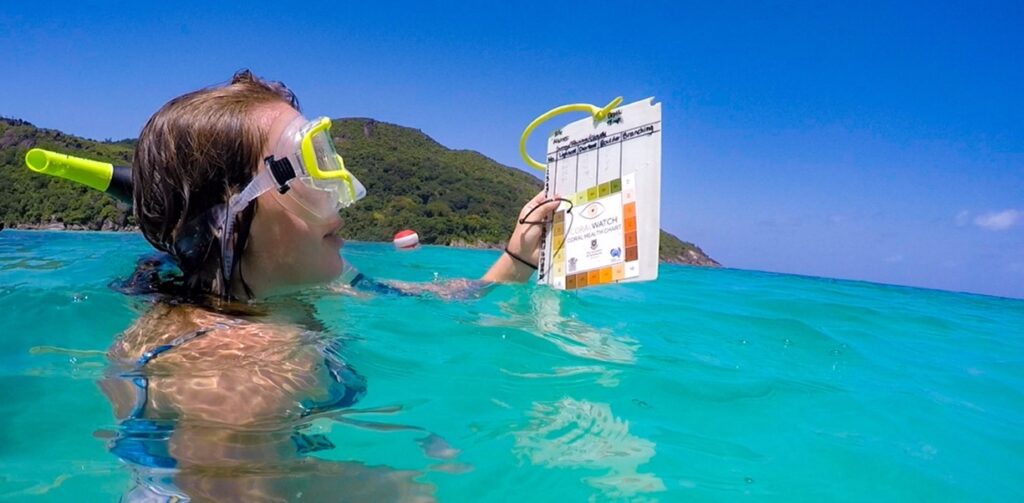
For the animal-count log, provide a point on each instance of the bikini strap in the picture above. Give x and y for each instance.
(139, 379)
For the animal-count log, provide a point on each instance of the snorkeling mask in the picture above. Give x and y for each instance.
(306, 171)
(304, 153)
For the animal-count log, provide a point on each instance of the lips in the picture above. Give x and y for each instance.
(332, 235)
(334, 229)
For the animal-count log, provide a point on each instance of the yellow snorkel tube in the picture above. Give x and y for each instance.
(102, 176)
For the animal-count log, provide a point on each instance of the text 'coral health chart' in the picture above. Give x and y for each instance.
(610, 172)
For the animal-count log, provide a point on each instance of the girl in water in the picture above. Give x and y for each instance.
(213, 382)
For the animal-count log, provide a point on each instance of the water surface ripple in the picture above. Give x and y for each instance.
(705, 385)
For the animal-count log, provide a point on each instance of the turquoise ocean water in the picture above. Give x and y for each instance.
(705, 385)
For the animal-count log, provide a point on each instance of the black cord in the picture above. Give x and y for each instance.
(520, 259)
(524, 220)
(535, 208)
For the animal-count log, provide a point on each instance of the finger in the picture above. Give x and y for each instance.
(531, 204)
(546, 209)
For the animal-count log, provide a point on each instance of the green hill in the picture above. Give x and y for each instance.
(451, 197)
(448, 196)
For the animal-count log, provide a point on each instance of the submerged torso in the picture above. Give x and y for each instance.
(219, 389)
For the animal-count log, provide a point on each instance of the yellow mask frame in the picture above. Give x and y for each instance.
(311, 162)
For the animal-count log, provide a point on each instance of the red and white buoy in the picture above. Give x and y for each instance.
(407, 240)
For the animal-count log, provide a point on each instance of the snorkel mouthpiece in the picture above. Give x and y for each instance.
(102, 176)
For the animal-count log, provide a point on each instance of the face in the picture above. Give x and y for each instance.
(288, 245)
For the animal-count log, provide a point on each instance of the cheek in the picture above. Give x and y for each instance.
(306, 257)
(294, 250)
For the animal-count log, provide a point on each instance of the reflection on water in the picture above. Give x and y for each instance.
(31, 264)
(574, 433)
(78, 363)
(544, 319)
(605, 377)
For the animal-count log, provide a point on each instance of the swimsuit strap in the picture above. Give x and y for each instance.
(153, 353)
(139, 379)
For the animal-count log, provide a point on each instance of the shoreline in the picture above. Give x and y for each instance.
(59, 227)
(62, 227)
(478, 245)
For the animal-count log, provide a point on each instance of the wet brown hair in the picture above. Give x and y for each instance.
(193, 154)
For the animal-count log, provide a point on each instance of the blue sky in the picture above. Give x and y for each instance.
(877, 142)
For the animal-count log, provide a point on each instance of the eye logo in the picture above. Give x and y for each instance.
(593, 210)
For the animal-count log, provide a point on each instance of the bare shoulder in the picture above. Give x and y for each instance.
(222, 369)
(207, 335)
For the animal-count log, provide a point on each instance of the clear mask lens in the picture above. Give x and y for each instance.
(326, 186)
(327, 157)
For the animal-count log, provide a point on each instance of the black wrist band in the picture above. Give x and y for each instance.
(520, 259)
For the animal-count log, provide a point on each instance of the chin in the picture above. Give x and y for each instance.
(332, 266)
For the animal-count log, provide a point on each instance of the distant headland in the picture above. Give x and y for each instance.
(451, 197)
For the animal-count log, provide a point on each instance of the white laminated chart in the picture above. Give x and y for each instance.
(611, 172)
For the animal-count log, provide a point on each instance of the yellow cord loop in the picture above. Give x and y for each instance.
(599, 115)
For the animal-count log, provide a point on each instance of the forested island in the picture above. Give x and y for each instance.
(451, 197)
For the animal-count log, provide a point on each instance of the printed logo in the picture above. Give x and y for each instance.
(616, 252)
(572, 264)
(592, 210)
(593, 244)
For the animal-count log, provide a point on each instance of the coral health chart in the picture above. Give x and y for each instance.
(610, 174)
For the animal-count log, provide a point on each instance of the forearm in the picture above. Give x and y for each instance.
(508, 270)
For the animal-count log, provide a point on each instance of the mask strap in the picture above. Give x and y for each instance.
(239, 202)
